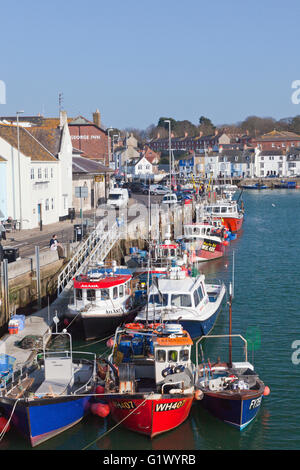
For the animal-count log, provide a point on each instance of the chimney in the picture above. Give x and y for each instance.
(63, 118)
(216, 131)
(97, 118)
(186, 134)
(172, 135)
(220, 148)
(200, 134)
(158, 135)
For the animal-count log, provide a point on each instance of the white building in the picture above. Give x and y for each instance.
(38, 177)
(270, 163)
(140, 167)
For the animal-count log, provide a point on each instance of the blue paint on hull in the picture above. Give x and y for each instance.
(44, 419)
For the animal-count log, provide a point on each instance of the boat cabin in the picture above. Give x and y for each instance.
(202, 231)
(98, 287)
(151, 359)
(222, 209)
(186, 293)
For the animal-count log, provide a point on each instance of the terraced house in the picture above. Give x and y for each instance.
(36, 172)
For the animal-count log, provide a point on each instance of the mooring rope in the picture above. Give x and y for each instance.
(116, 425)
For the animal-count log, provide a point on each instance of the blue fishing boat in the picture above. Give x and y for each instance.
(255, 186)
(52, 394)
(231, 391)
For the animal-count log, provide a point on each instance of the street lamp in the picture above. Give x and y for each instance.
(19, 163)
(170, 165)
(108, 142)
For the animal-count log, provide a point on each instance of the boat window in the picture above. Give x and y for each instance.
(115, 293)
(181, 300)
(165, 253)
(196, 298)
(160, 300)
(216, 210)
(104, 294)
(184, 355)
(208, 209)
(230, 209)
(173, 252)
(121, 290)
(78, 294)
(161, 355)
(172, 356)
(223, 209)
(90, 294)
(200, 293)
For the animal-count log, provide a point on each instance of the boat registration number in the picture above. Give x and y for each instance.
(255, 403)
(169, 406)
(209, 246)
(128, 405)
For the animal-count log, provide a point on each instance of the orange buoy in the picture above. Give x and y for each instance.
(198, 395)
(267, 391)
(225, 242)
(3, 423)
(100, 409)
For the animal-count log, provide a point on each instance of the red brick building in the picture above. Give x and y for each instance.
(277, 140)
(90, 138)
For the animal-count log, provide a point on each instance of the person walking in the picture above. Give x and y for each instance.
(56, 246)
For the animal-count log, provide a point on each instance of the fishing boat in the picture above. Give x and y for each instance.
(52, 394)
(255, 186)
(204, 241)
(103, 299)
(150, 382)
(187, 300)
(231, 391)
(229, 212)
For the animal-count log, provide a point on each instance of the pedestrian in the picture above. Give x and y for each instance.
(2, 231)
(56, 246)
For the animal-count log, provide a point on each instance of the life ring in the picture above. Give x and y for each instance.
(134, 326)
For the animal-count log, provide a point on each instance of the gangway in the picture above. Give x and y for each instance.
(94, 249)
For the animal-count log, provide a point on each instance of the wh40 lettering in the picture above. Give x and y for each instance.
(169, 406)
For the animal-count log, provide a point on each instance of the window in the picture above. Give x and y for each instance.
(184, 355)
(90, 294)
(121, 290)
(200, 293)
(196, 298)
(161, 355)
(115, 293)
(51, 172)
(172, 356)
(39, 173)
(216, 210)
(78, 294)
(47, 204)
(46, 173)
(159, 300)
(52, 203)
(32, 173)
(104, 294)
(181, 300)
(262, 165)
(223, 210)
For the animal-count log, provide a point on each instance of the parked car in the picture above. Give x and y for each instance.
(169, 198)
(158, 189)
(118, 198)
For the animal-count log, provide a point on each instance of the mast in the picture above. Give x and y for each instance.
(230, 326)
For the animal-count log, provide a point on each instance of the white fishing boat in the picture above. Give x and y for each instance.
(186, 300)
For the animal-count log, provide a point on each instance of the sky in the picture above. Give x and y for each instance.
(138, 60)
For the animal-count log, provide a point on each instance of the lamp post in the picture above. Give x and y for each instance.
(170, 164)
(19, 164)
(108, 143)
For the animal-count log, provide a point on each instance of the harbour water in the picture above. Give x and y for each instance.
(265, 310)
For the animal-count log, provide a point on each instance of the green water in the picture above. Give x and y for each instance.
(265, 310)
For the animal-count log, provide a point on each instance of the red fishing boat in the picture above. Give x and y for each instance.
(150, 383)
(204, 241)
(229, 212)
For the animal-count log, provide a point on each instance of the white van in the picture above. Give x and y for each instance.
(169, 199)
(118, 198)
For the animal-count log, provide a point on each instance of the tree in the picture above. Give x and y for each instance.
(206, 126)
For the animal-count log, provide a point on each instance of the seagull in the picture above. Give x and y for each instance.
(273, 205)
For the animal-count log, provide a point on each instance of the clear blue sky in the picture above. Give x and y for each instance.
(137, 60)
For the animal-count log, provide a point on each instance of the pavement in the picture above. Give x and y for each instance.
(26, 240)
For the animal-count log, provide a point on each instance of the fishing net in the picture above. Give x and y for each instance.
(31, 342)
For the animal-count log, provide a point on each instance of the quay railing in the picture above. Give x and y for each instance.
(94, 249)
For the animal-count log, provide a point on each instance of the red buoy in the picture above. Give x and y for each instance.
(267, 391)
(100, 409)
(110, 342)
(3, 423)
(99, 389)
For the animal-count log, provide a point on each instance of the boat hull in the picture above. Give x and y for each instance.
(42, 419)
(152, 416)
(234, 224)
(210, 250)
(237, 410)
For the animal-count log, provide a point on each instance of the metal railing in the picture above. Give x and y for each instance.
(94, 249)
